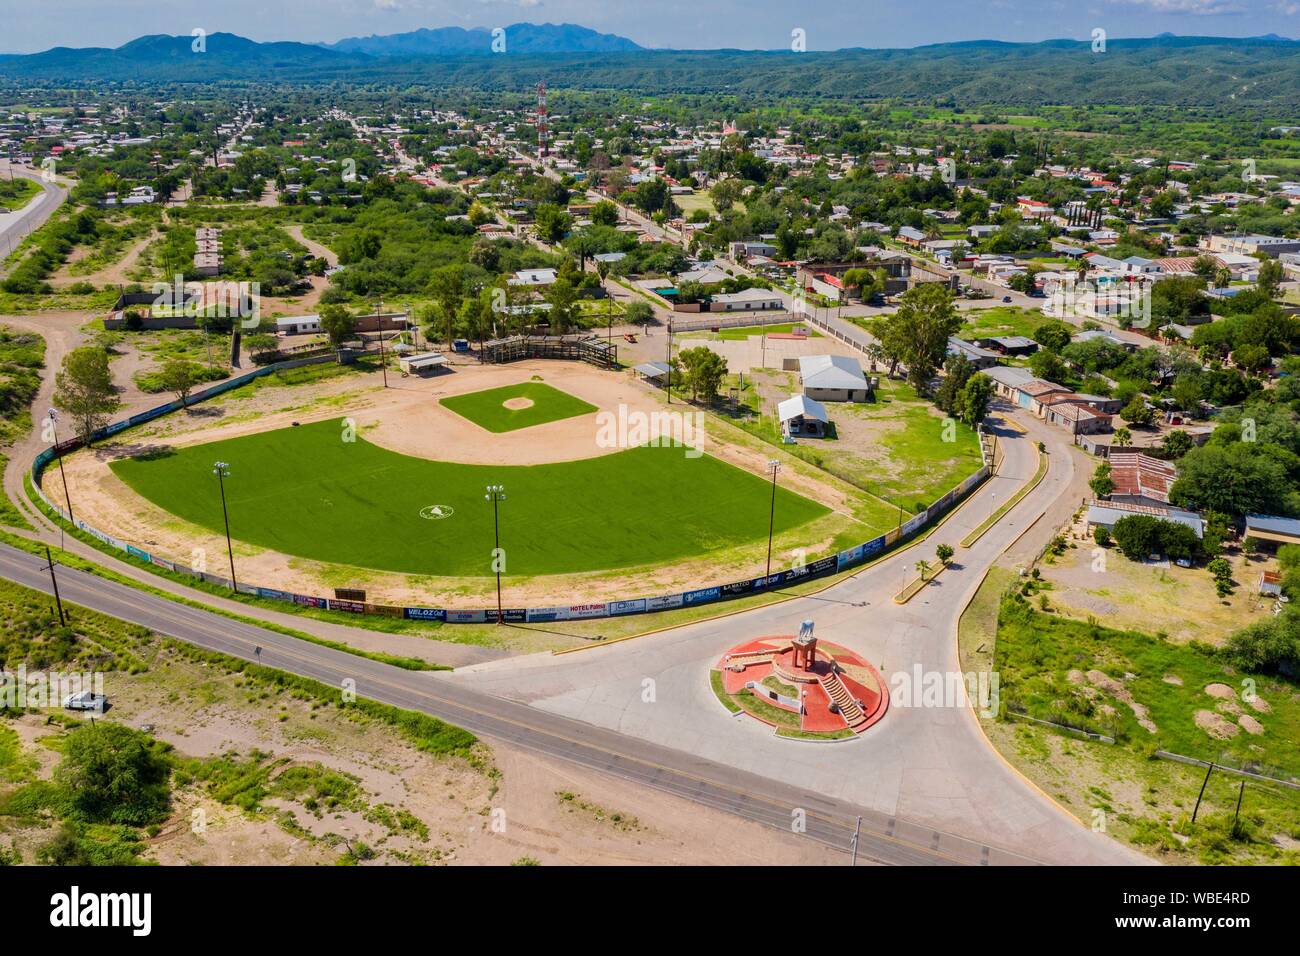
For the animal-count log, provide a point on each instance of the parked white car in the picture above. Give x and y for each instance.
(86, 700)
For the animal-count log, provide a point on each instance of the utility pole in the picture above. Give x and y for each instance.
(222, 471)
(774, 466)
(496, 494)
(67, 498)
(58, 602)
(857, 829)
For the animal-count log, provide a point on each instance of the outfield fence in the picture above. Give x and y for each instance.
(823, 567)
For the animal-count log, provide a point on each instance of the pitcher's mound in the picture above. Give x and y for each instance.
(516, 404)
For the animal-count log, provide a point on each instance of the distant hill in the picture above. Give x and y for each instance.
(519, 38)
(161, 57)
(1164, 70)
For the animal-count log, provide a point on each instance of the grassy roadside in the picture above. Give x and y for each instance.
(70, 560)
(1122, 789)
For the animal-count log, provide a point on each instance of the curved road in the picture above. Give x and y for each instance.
(14, 226)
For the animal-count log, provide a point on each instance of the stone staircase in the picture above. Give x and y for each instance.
(842, 699)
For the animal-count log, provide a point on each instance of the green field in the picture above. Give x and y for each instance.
(487, 408)
(304, 491)
(16, 193)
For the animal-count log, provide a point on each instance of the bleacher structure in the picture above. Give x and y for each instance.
(579, 348)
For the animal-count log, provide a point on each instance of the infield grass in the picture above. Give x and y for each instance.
(304, 491)
(487, 408)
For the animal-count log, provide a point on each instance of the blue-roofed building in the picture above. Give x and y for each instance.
(1274, 529)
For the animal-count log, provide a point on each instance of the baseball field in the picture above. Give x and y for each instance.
(307, 491)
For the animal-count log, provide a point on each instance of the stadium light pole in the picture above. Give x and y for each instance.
(222, 471)
(67, 498)
(496, 494)
(773, 466)
(379, 318)
(668, 379)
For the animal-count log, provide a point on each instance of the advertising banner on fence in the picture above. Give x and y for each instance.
(626, 607)
(306, 600)
(664, 603)
(737, 588)
(352, 607)
(510, 615)
(914, 523)
(384, 610)
(850, 557)
(243, 588)
(424, 614)
(548, 613)
(467, 617)
(274, 595)
(163, 563)
(702, 596)
(579, 611)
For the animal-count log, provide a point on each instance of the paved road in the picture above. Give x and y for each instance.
(929, 764)
(828, 820)
(14, 226)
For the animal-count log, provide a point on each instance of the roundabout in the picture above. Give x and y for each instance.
(806, 690)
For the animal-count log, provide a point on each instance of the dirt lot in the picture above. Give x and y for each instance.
(1153, 597)
(408, 418)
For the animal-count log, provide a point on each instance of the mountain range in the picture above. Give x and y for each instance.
(1162, 70)
(519, 38)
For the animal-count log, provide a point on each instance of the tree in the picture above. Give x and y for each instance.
(1048, 366)
(447, 286)
(1053, 335)
(1101, 483)
(1233, 479)
(114, 774)
(923, 568)
(638, 313)
(260, 343)
(337, 322)
(920, 329)
(1251, 358)
(726, 193)
(604, 213)
(702, 372)
(552, 223)
(975, 399)
(944, 553)
(1176, 444)
(179, 376)
(1137, 412)
(1123, 437)
(1270, 277)
(957, 371)
(84, 389)
(562, 295)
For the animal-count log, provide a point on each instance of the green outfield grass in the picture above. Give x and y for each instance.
(306, 492)
(487, 408)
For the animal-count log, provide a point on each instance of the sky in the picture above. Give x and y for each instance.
(679, 24)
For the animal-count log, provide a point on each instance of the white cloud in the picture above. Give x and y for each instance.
(1207, 8)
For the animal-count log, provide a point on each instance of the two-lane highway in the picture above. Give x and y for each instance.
(882, 839)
